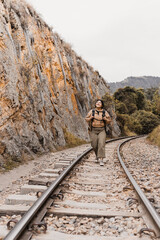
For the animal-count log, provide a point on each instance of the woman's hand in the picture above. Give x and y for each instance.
(88, 119)
(91, 118)
(108, 120)
(104, 118)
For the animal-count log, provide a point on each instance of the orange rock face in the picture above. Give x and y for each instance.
(44, 86)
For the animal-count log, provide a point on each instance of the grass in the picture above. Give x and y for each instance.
(9, 165)
(154, 136)
(71, 140)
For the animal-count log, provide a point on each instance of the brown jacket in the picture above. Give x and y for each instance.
(97, 121)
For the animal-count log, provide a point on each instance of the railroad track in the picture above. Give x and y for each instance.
(80, 200)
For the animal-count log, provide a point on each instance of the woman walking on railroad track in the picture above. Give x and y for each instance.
(97, 119)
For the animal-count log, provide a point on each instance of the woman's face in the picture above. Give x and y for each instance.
(99, 104)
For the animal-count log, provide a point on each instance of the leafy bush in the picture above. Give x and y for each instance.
(134, 125)
(148, 120)
(148, 106)
(129, 124)
(131, 108)
(140, 122)
(121, 107)
(122, 119)
(154, 136)
(156, 103)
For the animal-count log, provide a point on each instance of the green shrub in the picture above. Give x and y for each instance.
(134, 125)
(131, 108)
(148, 120)
(121, 108)
(122, 119)
(156, 103)
(129, 124)
(140, 122)
(128, 132)
(154, 136)
(148, 106)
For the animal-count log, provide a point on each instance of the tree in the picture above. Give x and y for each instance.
(134, 99)
(141, 99)
(149, 93)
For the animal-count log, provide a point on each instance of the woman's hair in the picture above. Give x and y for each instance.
(101, 102)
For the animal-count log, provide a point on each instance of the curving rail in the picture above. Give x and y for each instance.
(150, 209)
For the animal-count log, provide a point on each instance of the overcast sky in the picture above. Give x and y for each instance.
(119, 38)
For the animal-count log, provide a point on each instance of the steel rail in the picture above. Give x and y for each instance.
(154, 215)
(15, 233)
(19, 228)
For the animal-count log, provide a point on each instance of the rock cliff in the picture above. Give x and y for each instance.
(45, 88)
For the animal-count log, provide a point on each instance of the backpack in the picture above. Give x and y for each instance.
(103, 114)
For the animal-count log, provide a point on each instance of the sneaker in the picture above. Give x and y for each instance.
(96, 160)
(101, 163)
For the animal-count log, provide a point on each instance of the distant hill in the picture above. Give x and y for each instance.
(137, 82)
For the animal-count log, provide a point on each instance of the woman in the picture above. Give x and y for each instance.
(97, 119)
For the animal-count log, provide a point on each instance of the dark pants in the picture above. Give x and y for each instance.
(98, 139)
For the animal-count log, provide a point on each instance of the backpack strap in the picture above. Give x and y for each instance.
(93, 113)
(103, 115)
